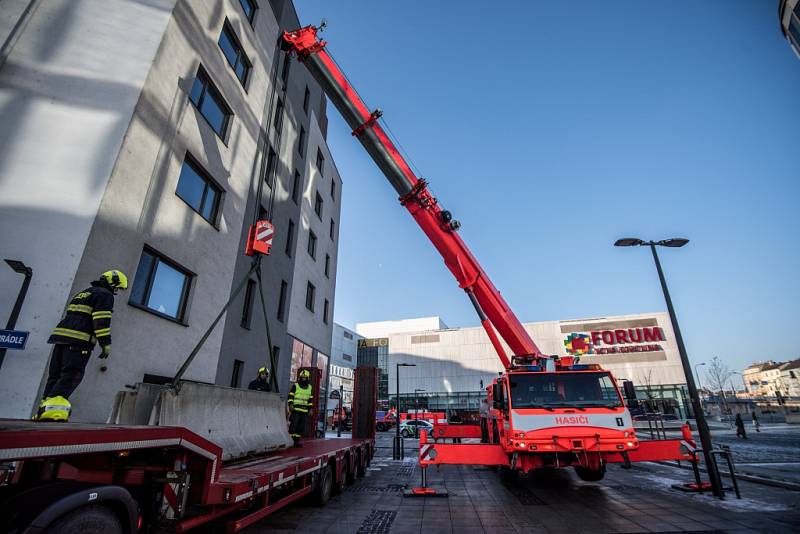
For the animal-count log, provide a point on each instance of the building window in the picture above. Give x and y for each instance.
(287, 61)
(208, 100)
(296, 187)
(312, 244)
(794, 27)
(233, 52)
(196, 188)
(318, 205)
(311, 292)
(161, 286)
(236, 376)
(348, 335)
(328, 265)
(325, 309)
(347, 357)
(278, 116)
(269, 172)
(320, 162)
(249, 7)
(306, 98)
(247, 309)
(301, 141)
(332, 229)
(333, 189)
(282, 300)
(289, 238)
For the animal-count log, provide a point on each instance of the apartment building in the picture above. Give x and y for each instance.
(151, 148)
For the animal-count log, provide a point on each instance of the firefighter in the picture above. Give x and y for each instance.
(88, 319)
(300, 403)
(261, 383)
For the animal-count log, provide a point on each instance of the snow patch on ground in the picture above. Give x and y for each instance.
(730, 503)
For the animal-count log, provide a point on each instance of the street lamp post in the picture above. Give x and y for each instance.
(20, 268)
(697, 371)
(398, 441)
(416, 408)
(702, 425)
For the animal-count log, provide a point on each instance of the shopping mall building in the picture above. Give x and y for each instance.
(452, 366)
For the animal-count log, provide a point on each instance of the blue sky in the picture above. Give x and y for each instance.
(550, 129)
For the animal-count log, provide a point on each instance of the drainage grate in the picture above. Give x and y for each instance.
(390, 488)
(525, 496)
(406, 470)
(377, 522)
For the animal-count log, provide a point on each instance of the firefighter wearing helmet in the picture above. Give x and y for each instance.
(261, 383)
(300, 404)
(88, 320)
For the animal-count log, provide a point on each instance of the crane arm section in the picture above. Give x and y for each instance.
(436, 223)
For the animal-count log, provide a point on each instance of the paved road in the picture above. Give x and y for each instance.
(636, 500)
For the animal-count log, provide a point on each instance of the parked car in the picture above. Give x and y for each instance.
(411, 427)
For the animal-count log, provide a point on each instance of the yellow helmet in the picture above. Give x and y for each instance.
(116, 279)
(54, 409)
(304, 373)
(262, 370)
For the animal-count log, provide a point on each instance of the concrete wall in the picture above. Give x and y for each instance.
(67, 94)
(456, 360)
(380, 329)
(305, 325)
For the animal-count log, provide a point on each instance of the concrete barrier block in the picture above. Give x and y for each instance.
(240, 421)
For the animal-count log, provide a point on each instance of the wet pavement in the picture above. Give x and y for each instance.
(635, 500)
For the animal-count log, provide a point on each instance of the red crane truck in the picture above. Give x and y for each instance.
(544, 410)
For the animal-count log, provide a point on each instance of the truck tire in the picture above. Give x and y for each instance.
(350, 471)
(361, 465)
(322, 493)
(508, 476)
(381, 427)
(87, 520)
(590, 475)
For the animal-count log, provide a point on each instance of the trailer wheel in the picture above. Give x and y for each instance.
(590, 475)
(350, 471)
(87, 520)
(322, 493)
(338, 484)
(361, 468)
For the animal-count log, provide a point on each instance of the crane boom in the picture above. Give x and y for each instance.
(436, 223)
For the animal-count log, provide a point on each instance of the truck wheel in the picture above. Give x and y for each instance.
(590, 475)
(381, 427)
(87, 520)
(322, 493)
(508, 476)
(350, 472)
(338, 484)
(361, 468)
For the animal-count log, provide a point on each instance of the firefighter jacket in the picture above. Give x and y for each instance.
(88, 319)
(300, 398)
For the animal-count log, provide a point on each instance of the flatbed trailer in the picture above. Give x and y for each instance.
(142, 478)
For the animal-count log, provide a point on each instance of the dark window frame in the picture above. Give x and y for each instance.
(320, 162)
(247, 307)
(281, 312)
(210, 87)
(332, 230)
(185, 291)
(306, 99)
(271, 169)
(301, 140)
(327, 265)
(241, 56)
(312, 245)
(326, 308)
(296, 187)
(236, 373)
(277, 123)
(290, 231)
(333, 188)
(210, 182)
(287, 62)
(319, 205)
(311, 296)
(254, 9)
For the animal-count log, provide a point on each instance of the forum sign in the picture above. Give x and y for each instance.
(615, 341)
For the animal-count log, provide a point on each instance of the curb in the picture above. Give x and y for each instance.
(793, 486)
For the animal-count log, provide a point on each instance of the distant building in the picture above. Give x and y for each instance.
(454, 365)
(344, 350)
(789, 13)
(771, 379)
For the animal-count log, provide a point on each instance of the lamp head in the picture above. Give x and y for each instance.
(628, 242)
(674, 242)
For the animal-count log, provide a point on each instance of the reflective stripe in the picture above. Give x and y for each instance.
(301, 410)
(80, 308)
(101, 315)
(66, 332)
(102, 332)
